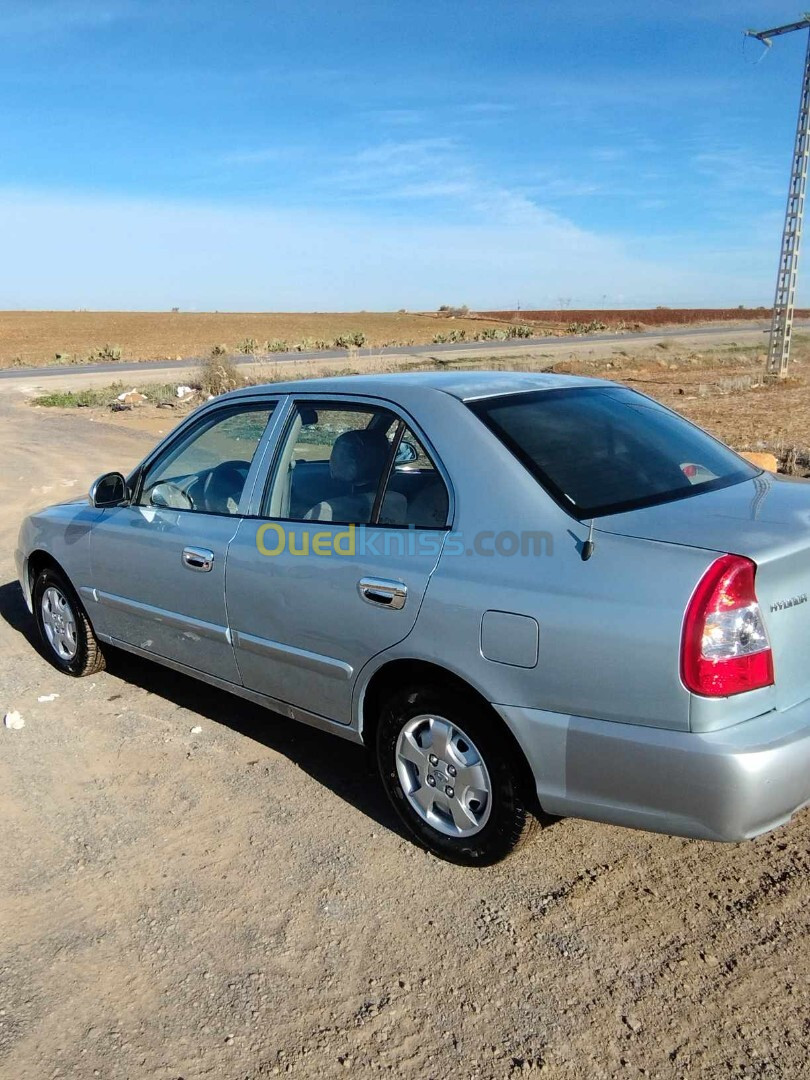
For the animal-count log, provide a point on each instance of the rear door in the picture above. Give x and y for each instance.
(334, 567)
(158, 565)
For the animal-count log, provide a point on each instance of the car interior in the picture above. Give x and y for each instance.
(318, 483)
(343, 487)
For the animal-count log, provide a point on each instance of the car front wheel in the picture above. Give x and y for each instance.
(451, 774)
(66, 633)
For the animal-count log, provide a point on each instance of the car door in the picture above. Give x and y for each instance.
(158, 564)
(334, 567)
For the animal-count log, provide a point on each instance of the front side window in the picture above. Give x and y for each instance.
(206, 470)
(354, 465)
(603, 450)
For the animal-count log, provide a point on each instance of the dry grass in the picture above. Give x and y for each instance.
(217, 375)
(30, 338)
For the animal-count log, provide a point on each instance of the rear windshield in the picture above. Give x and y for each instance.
(601, 450)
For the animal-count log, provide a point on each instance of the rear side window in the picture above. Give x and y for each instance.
(602, 450)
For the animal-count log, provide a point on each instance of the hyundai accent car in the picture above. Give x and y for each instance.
(524, 593)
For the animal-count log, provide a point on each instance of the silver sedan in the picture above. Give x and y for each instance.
(527, 594)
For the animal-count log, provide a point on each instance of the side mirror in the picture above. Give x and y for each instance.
(109, 490)
(169, 496)
(406, 453)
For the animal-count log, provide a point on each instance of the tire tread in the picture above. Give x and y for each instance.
(89, 648)
(515, 820)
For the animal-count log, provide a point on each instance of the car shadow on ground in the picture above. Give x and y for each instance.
(345, 768)
(14, 612)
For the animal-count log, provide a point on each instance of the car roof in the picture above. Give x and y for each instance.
(464, 385)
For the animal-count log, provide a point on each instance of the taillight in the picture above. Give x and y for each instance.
(725, 648)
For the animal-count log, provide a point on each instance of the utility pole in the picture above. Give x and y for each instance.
(782, 322)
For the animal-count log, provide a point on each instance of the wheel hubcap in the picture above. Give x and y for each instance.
(59, 623)
(443, 776)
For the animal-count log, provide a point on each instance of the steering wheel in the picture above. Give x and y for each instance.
(223, 482)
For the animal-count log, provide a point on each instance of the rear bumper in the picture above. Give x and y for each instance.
(722, 785)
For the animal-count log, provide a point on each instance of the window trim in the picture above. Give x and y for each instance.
(385, 475)
(479, 407)
(340, 401)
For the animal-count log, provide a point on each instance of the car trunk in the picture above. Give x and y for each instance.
(766, 519)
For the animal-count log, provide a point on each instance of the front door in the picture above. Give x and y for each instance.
(158, 565)
(335, 568)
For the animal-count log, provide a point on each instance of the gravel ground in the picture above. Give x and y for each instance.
(238, 902)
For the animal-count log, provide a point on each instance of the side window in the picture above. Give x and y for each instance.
(206, 471)
(416, 477)
(332, 463)
(335, 460)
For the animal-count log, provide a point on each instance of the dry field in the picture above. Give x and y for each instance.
(34, 338)
(29, 338)
(195, 888)
(648, 317)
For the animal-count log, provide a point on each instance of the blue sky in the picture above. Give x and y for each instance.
(311, 155)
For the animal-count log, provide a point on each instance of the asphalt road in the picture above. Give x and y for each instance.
(467, 347)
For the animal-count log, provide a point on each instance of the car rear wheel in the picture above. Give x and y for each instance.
(66, 633)
(452, 775)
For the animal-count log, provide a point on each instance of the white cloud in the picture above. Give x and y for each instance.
(36, 18)
(102, 252)
(733, 168)
(439, 170)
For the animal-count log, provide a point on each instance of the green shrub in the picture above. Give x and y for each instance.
(73, 399)
(585, 328)
(356, 339)
(106, 352)
(248, 346)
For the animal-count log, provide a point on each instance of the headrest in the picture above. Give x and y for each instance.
(358, 456)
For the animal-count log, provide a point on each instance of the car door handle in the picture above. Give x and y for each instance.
(195, 558)
(383, 593)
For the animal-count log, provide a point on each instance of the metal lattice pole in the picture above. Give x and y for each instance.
(782, 322)
(784, 299)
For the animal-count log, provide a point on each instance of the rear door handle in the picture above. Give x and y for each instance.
(382, 592)
(197, 558)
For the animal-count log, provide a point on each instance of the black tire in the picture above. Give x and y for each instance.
(507, 822)
(88, 657)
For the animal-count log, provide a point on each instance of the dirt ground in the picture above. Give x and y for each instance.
(239, 902)
(35, 337)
